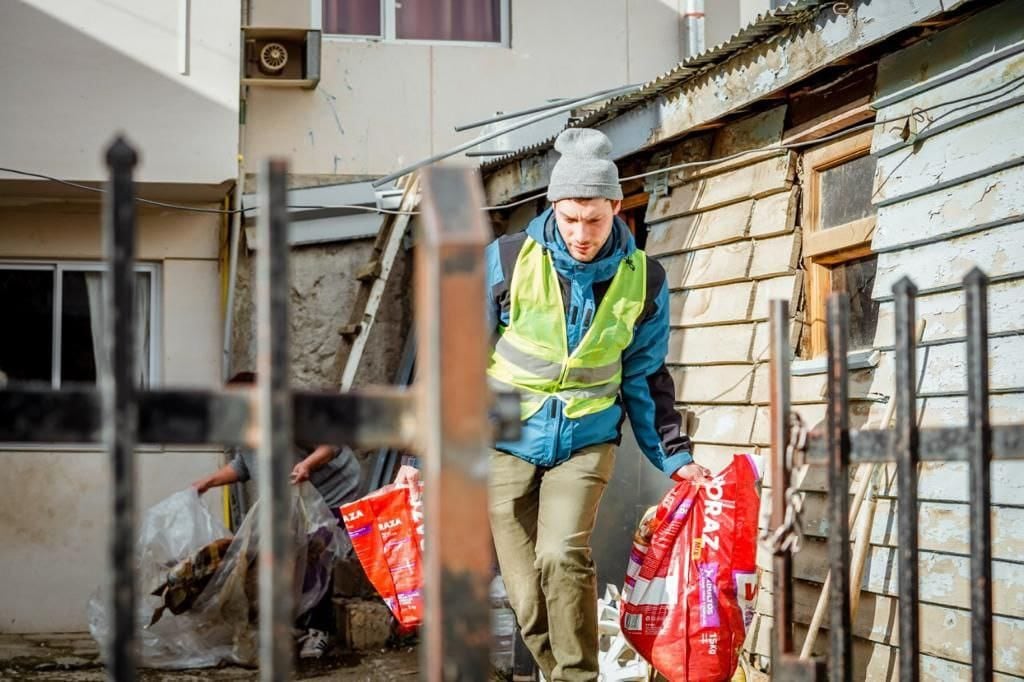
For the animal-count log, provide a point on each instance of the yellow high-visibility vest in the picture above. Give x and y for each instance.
(532, 354)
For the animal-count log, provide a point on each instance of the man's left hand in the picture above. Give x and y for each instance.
(692, 472)
(300, 473)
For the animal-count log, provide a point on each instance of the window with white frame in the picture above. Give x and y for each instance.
(465, 21)
(53, 323)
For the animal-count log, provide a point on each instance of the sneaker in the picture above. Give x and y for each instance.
(314, 643)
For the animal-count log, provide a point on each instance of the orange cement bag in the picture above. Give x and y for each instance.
(692, 578)
(386, 528)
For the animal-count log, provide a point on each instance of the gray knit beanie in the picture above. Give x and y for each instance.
(585, 169)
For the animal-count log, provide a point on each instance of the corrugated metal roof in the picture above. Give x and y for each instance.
(763, 27)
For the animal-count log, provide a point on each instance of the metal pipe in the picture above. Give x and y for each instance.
(532, 110)
(117, 390)
(782, 561)
(235, 245)
(979, 452)
(840, 662)
(694, 16)
(906, 453)
(490, 136)
(275, 425)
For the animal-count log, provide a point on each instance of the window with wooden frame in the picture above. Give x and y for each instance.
(838, 223)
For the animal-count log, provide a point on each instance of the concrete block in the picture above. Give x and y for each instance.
(363, 625)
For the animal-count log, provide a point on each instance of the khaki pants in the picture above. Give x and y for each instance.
(541, 520)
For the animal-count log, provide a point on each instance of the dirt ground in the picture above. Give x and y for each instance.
(73, 657)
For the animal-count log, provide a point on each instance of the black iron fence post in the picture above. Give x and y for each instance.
(782, 560)
(905, 453)
(275, 426)
(116, 377)
(979, 453)
(840, 662)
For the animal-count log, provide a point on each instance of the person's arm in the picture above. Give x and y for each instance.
(321, 455)
(648, 395)
(223, 476)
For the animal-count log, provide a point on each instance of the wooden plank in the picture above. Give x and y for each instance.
(775, 214)
(1004, 409)
(759, 351)
(749, 182)
(945, 313)
(986, 200)
(775, 256)
(956, 154)
(872, 661)
(945, 67)
(849, 114)
(945, 632)
(998, 252)
(941, 369)
(718, 265)
(940, 482)
(750, 133)
(710, 345)
(716, 384)
(717, 457)
(726, 424)
(787, 287)
(813, 416)
(714, 305)
(700, 230)
(943, 526)
(841, 238)
(945, 578)
(812, 387)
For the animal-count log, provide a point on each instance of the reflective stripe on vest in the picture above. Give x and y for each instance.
(531, 354)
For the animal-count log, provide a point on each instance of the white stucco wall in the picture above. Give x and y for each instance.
(77, 72)
(55, 504)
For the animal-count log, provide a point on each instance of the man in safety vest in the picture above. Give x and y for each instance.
(581, 324)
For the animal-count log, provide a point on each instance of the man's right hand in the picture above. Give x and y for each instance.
(201, 486)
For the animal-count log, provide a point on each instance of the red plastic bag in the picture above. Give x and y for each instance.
(386, 529)
(692, 578)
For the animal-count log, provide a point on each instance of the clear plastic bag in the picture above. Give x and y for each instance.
(220, 623)
(171, 531)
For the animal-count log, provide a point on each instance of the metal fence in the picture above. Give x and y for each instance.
(977, 443)
(448, 417)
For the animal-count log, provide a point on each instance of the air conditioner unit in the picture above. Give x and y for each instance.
(281, 57)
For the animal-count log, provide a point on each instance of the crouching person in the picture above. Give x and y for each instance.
(335, 474)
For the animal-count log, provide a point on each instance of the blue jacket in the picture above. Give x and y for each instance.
(647, 395)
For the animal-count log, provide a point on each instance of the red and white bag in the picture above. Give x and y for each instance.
(386, 528)
(692, 578)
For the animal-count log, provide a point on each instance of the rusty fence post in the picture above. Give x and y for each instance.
(840, 661)
(454, 403)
